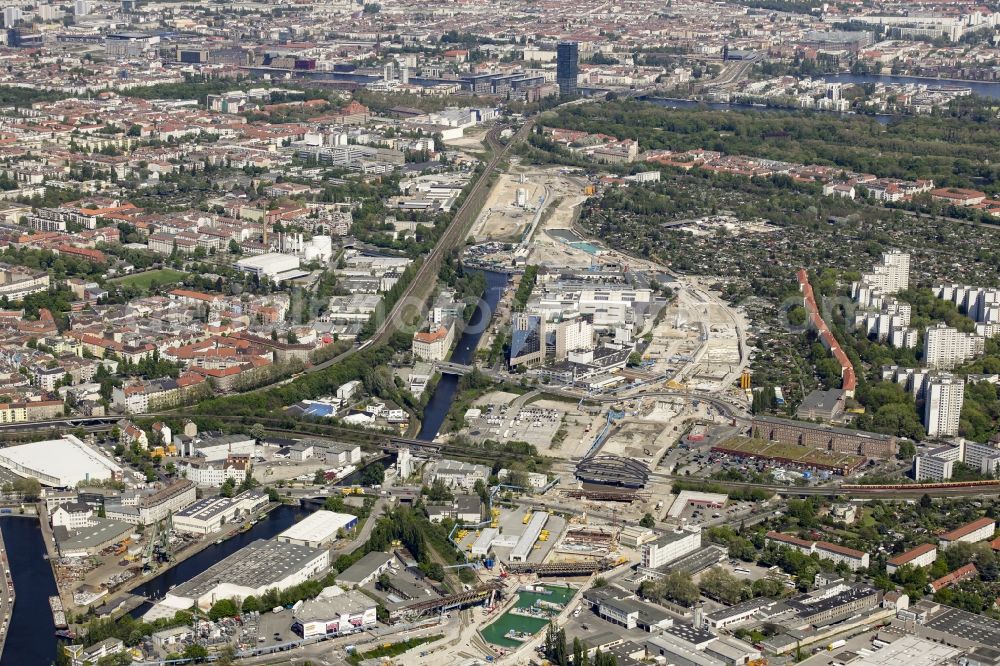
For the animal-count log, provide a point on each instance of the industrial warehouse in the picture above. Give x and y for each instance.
(60, 463)
(318, 529)
(260, 566)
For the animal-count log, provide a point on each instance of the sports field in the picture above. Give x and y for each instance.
(146, 279)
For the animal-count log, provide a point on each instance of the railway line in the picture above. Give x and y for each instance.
(452, 237)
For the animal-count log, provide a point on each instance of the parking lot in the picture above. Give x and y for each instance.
(535, 424)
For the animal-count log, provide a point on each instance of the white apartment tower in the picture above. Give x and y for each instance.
(944, 396)
(945, 347)
(892, 274)
(572, 335)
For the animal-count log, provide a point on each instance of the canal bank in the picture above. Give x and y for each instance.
(529, 614)
(464, 354)
(31, 633)
(280, 518)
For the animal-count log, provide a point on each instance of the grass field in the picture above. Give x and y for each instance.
(800, 455)
(145, 280)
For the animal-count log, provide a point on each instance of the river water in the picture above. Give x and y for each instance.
(30, 639)
(464, 353)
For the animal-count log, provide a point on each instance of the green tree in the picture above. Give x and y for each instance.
(223, 608)
(647, 520)
(196, 652)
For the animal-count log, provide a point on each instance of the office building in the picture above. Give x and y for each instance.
(153, 506)
(828, 438)
(567, 67)
(670, 547)
(937, 464)
(945, 347)
(435, 344)
(458, 474)
(943, 398)
(572, 335)
(528, 333)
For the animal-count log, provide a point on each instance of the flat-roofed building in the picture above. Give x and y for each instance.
(61, 463)
(334, 612)
(260, 566)
(829, 438)
(670, 546)
(365, 570)
(90, 539)
(318, 528)
(522, 549)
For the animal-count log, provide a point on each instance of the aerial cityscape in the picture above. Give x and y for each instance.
(413, 333)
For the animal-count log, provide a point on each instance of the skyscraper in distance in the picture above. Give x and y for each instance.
(567, 67)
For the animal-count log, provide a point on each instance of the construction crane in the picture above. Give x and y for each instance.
(147, 554)
(165, 550)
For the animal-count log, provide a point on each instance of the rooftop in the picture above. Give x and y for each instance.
(103, 531)
(326, 607)
(259, 564)
(363, 568)
(913, 553)
(318, 526)
(58, 462)
(967, 529)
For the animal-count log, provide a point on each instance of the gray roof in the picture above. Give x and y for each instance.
(363, 568)
(821, 401)
(103, 531)
(963, 624)
(206, 509)
(260, 564)
(325, 608)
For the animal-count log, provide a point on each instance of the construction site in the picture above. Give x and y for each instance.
(698, 341)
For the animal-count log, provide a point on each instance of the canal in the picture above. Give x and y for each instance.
(31, 636)
(277, 520)
(464, 353)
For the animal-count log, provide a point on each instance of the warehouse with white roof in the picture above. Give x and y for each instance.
(59, 463)
(318, 529)
(273, 265)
